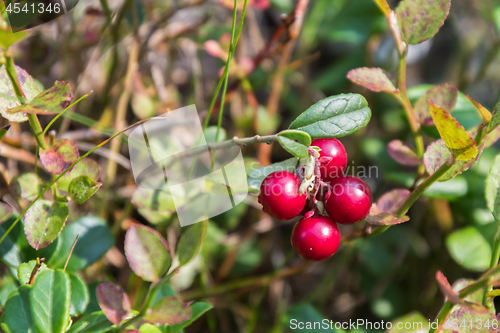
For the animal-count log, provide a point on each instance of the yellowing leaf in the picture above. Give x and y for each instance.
(454, 135)
(483, 112)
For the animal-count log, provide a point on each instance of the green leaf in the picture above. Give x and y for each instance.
(449, 190)
(191, 241)
(492, 191)
(334, 116)
(197, 310)
(5, 212)
(419, 20)
(443, 95)
(148, 328)
(8, 98)
(49, 301)
(17, 311)
(456, 138)
(26, 268)
(86, 167)
(9, 285)
(94, 240)
(7, 37)
(154, 199)
(26, 186)
(3, 131)
(50, 101)
(169, 310)
(210, 132)
(470, 248)
(495, 118)
(93, 323)
(374, 79)
(79, 295)
(43, 222)
(147, 252)
(256, 176)
(164, 291)
(113, 301)
(402, 153)
(415, 320)
(59, 157)
(11, 246)
(295, 142)
(82, 188)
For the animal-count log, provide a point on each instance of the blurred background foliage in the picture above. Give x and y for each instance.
(182, 47)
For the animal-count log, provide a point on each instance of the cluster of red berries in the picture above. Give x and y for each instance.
(346, 199)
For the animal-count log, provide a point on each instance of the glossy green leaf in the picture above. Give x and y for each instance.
(5, 212)
(50, 101)
(148, 328)
(374, 79)
(17, 311)
(169, 310)
(191, 241)
(87, 167)
(295, 142)
(197, 310)
(79, 295)
(26, 186)
(456, 138)
(113, 301)
(25, 269)
(147, 252)
(50, 300)
(419, 20)
(95, 239)
(402, 153)
(492, 191)
(3, 131)
(8, 98)
(443, 95)
(7, 37)
(256, 176)
(495, 118)
(469, 248)
(93, 323)
(82, 188)
(450, 190)
(43, 222)
(334, 116)
(59, 157)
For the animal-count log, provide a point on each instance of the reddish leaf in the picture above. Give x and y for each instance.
(113, 301)
(444, 95)
(419, 20)
(374, 79)
(446, 288)
(59, 157)
(147, 252)
(169, 310)
(50, 101)
(402, 154)
(5, 212)
(383, 212)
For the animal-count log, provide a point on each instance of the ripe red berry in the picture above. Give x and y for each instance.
(333, 158)
(280, 197)
(316, 238)
(350, 200)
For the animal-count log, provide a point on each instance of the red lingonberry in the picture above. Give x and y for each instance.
(350, 200)
(332, 156)
(280, 197)
(316, 238)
